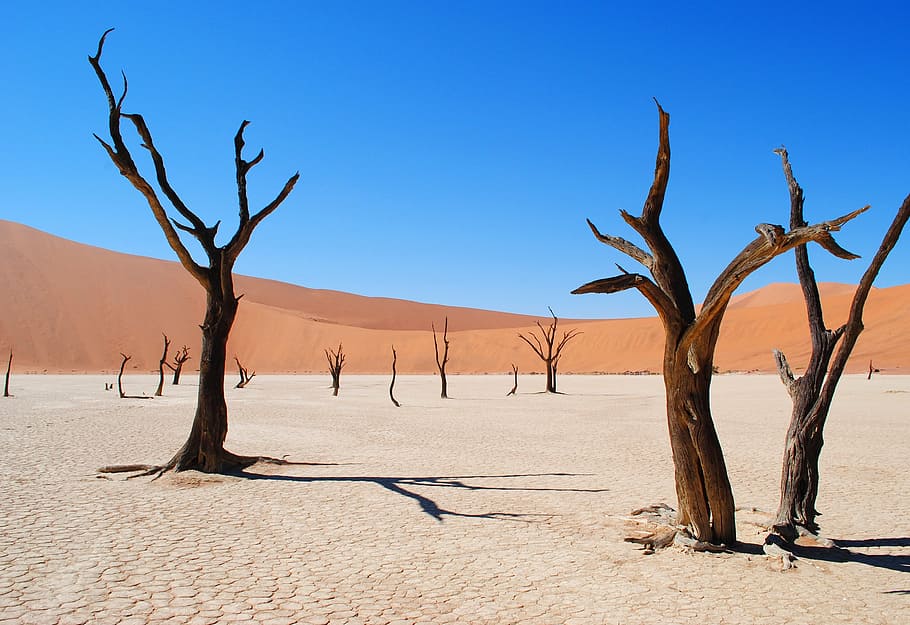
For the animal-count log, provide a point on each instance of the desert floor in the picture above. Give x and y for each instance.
(479, 509)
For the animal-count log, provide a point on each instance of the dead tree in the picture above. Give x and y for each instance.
(204, 448)
(161, 365)
(515, 385)
(872, 370)
(9, 366)
(441, 364)
(392, 385)
(706, 504)
(336, 362)
(813, 392)
(548, 349)
(120, 381)
(179, 358)
(245, 375)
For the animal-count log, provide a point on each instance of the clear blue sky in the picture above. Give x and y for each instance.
(450, 151)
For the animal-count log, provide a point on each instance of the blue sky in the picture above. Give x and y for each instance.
(450, 151)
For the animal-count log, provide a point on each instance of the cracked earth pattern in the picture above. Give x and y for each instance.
(477, 510)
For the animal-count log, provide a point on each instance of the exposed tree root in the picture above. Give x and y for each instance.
(782, 540)
(660, 530)
(230, 463)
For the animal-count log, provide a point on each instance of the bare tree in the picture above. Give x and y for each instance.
(392, 385)
(871, 371)
(161, 364)
(441, 364)
(245, 375)
(336, 362)
(515, 385)
(179, 358)
(120, 381)
(706, 504)
(9, 367)
(813, 392)
(548, 349)
(204, 448)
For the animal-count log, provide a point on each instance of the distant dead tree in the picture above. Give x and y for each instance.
(813, 392)
(706, 506)
(392, 385)
(179, 358)
(515, 385)
(441, 364)
(548, 349)
(245, 375)
(120, 381)
(161, 364)
(9, 366)
(336, 362)
(204, 448)
(871, 371)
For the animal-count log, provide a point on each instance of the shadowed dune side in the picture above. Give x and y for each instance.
(69, 307)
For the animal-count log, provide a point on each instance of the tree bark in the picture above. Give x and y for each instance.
(9, 367)
(392, 385)
(515, 385)
(706, 503)
(441, 363)
(161, 364)
(813, 392)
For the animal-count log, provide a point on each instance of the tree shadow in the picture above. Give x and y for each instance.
(404, 486)
(875, 542)
(840, 554)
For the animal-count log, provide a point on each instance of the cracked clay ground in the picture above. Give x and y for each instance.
(479, 509)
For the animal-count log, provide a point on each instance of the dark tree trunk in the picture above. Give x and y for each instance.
(245, 375)
(336, 363)
(9, 367)
(120, 375)
(161, 364)
(515, 385)
(547, 349)
(179, 358)
(706, 504)
(441, 363)
(813, 392)
(392, 385)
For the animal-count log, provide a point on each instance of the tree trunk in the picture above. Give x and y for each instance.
(204, 449)
(161, 364)
(551, 386)
(9, 366)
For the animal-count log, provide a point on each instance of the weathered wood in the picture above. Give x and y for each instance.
(706, 503)
(123, 395)
(9, 367)
(204, 448)
(394, 373)
(515, 385)
(179, 358)
(813, 392)
(336, 362)
(245, 375)
(548, 349)
(441, 363)
(161, 364)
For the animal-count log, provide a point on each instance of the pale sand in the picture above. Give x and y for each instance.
(480, 509)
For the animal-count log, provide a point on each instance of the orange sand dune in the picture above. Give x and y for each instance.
(72, 307)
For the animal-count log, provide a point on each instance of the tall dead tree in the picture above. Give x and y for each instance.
(441, 363)
(394, 373)
(204, 448)
(813, 392)
(123, 395)
(548, 349)
(336, 362)
(179, 358)
(9, 367)
(706, 504)
(245, 375)
(161, 364)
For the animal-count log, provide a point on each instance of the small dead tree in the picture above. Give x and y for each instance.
(548, 349)
(245, 375)
(120, 381)
(392, 385)
(161, 364)
(336, 362)
(515, 385)
(706, 506)
(9, 367)
(441, 364)
(204, 448)
(813, 392)
(872, 370)
(179, 358)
